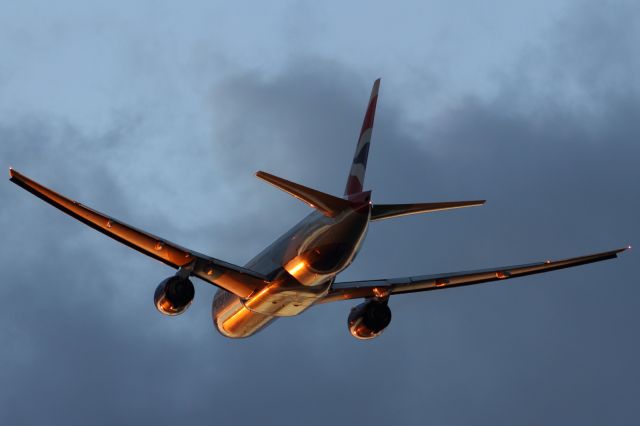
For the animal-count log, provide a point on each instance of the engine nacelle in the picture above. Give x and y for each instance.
(369, 319)
(174, 295)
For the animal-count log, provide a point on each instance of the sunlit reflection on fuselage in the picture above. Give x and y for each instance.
(301, 266)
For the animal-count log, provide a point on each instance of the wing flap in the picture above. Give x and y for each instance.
(375, 288)
(238, 280)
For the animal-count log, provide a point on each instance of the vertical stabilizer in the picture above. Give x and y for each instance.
(358, 167)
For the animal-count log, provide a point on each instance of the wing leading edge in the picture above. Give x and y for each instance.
(387, 287)
(237, 280)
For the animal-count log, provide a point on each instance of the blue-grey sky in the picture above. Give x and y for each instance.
(159, 113)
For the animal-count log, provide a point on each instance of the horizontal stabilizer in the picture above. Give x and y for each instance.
(326, 204)
(387, 211)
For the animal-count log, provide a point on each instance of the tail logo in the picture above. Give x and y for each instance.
(355, 181)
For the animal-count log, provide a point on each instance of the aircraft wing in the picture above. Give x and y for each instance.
(387, 287)
(237, 280)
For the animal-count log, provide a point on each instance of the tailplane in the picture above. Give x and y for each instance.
(326, 204)
(387, 211)
(355, 181)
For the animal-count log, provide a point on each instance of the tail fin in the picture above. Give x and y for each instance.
(358, 167)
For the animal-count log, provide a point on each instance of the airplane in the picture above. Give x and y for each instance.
(299, 269)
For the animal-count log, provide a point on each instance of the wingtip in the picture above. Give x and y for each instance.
(623, 249)
(375, 88)
(11, 172)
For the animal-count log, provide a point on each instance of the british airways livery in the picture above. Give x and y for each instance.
(299, 269)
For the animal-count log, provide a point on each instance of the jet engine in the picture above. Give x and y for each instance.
(369, 319)
(174, 295)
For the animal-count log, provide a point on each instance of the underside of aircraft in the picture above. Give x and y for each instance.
(299, 269)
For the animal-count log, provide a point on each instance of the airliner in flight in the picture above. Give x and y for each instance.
(299, 269)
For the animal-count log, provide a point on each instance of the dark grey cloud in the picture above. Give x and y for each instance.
(554, 151)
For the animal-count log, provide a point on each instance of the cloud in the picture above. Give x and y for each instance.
(83, 342)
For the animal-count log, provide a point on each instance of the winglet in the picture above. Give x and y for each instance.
(326, 204)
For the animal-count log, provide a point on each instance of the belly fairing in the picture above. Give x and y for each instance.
(286, 297)
(232, 319)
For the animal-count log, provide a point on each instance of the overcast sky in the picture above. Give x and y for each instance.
(159, 114)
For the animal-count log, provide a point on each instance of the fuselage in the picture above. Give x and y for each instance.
(301, 265)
